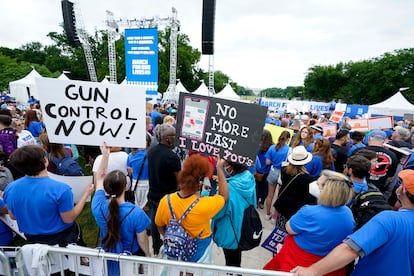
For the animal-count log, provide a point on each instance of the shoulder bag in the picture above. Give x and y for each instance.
(130, 194)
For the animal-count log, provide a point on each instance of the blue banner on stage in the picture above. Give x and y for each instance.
(356, 109)
(141, 57)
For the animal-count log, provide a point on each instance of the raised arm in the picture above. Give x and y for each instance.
(103, 167)
(222, 182)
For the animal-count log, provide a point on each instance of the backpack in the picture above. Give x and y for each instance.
(67, 166)
(8, 140)
(251, 230)
(178, 244)
(367, 204)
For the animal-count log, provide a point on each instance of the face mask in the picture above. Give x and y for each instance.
(205, 187)
(226, 173)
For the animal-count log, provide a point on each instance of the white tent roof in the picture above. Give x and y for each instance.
(180, 87)
(227, 93)
(20, 89)
(63, 77)
(396, 105)
(202, 89)
(105, 80)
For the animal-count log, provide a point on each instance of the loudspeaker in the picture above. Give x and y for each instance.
(207, 34)
(69, 23)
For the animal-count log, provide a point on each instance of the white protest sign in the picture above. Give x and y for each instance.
(12, 224)
(77, 183)
(380, 122)
(90, 113)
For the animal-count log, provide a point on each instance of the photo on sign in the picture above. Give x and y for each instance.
(195, 112)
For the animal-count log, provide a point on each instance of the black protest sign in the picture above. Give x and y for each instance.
(216, 126)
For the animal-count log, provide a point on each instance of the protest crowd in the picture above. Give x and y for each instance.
(344, 202)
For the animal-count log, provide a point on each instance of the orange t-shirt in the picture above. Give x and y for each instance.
(198, 219)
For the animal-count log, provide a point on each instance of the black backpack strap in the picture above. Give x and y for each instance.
(139, 173)
(130, 211)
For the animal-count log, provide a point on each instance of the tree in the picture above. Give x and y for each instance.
(363, 82)
(187, 60)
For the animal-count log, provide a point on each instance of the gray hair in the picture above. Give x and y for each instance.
(161, 130)
(403, 133)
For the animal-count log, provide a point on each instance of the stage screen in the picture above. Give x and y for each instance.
(141, 58)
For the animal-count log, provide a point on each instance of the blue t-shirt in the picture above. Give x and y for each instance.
(134, 161)
(36, 203)
(35, 128)
(136, 222)
(309, 148)
(154, 114)
(360, 186)
(315, 166)
(277, 157)
(6, 234)
(387, 241)
(320, 228)
(355, 147)
(260, 164)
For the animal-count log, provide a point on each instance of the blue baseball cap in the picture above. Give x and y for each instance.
(378, 135)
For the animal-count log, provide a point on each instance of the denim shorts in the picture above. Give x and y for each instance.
(273, 176)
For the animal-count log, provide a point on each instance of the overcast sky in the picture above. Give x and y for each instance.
(258, 43)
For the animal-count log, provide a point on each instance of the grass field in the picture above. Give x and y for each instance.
(88, 225)
(90, 229)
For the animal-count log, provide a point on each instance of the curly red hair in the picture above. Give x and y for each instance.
(194, 168)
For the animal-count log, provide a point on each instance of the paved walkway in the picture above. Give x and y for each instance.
(255, 258)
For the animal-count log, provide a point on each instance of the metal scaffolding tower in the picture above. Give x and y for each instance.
(149, 22)
(211, 91)
(80, 28)
(112, 29)
(171, 95)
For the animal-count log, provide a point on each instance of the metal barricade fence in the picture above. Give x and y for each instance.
(87, 261)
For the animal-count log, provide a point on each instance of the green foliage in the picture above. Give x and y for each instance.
(187, 60)
(289, 92)
(90, 229)
(11, 70)
(363, 82)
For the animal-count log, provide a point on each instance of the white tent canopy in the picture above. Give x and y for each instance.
(23, 88)
(397, 105)
(180, 87)
(63, 77)
(105, 81)
(227, 93)
(202, 89)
